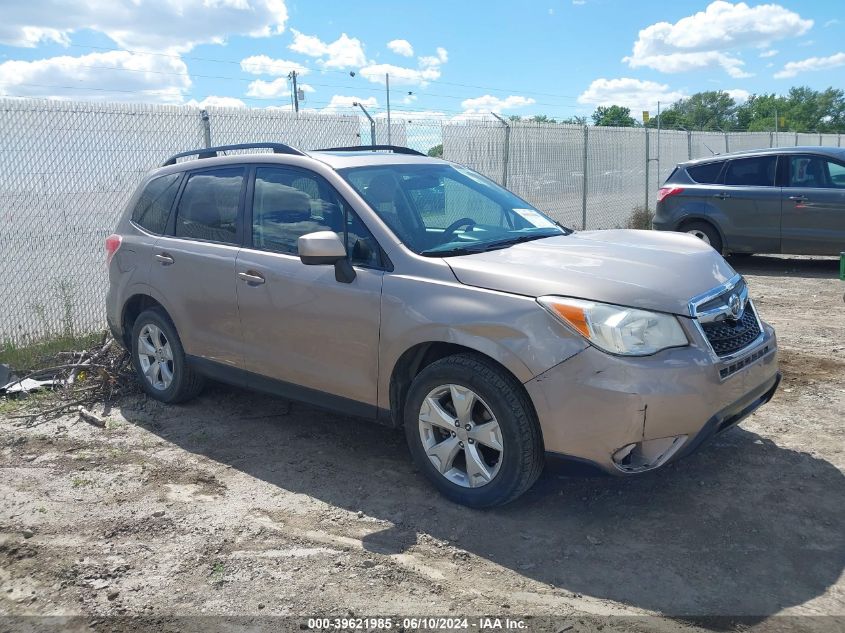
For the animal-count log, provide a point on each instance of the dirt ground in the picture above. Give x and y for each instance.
(240, 505)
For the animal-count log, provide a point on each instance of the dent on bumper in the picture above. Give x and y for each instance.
(594, 404)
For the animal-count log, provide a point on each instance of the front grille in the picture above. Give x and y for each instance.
(729, 336)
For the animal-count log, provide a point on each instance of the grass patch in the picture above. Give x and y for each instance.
(640, 218)
(40, 354)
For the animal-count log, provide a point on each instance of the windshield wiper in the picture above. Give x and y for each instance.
(486, 246)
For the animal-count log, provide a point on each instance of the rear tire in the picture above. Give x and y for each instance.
(706, 232)
(159, 359)
(498, 457)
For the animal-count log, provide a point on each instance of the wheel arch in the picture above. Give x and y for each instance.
(133, 307)
(419, 356)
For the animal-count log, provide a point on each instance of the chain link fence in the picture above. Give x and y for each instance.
(67, 170)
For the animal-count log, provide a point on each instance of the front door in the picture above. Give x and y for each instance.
(193, 267)
(814, 205)
(299, 324)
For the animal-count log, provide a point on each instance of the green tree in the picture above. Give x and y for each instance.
(436, 151)
(710, 110)
(615, 116)
(542, 118)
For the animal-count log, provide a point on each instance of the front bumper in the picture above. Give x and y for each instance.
(594, 405)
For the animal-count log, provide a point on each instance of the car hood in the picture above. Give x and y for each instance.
(643, 269)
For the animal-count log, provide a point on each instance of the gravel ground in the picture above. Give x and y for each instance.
(240, 505)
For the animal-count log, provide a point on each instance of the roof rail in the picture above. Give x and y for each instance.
(211, 152)
(396, 149)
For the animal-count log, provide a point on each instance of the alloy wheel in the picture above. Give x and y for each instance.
(155, 357)
(461, 436)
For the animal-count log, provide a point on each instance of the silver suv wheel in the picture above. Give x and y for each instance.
(460, 436)
(155, 357)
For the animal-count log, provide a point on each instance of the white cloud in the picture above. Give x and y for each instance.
(401, 47)
(811, 64)
(264, 65)
(830, 23)
(268, 89)
(738, 94)
(215, 101)
(635, 94)
(769, 53)
(400, 75)
(578, 3)
(151, 25)
(428, 69)
(112, 76)
(488, 103)
(703, 39)
(344, 52)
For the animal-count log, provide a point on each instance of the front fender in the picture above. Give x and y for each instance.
(511, 329)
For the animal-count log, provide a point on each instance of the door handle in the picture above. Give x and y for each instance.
(252, 278)
(722, 195)
(164, 258)
(798, 198)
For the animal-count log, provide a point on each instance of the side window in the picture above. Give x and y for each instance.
(152, 210)
(706, 174)
(755, 172)
(208, 209)
(815, 172)
(290, 203)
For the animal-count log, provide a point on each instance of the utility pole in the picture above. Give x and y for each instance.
(294, 93)
(387, 85)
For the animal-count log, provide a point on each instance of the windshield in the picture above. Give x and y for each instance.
(442, 210)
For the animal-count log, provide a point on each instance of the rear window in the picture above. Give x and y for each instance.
(706, 174)
(152, 210)
(754, 172)
(208, 209)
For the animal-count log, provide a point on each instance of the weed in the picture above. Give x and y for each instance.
(217, 573)
(640, 218)
(80, 482)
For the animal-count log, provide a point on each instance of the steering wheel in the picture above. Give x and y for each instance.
(450, 230)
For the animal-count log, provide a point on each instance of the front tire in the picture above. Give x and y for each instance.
(472, 431)
(159, 359)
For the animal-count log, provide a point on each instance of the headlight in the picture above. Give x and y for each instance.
(617, 329)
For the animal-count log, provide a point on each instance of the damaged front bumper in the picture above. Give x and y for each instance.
(633, 414)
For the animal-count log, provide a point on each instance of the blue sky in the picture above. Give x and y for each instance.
(557, 57)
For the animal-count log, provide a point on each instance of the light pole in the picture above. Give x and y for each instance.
(372, 122)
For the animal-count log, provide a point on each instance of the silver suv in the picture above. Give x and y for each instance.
(415, 292)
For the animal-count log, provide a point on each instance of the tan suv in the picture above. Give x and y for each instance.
(413, 291)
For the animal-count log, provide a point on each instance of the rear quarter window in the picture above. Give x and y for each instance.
(706, 174)
(152, 210)
(751, 172)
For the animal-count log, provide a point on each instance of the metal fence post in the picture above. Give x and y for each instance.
(771, 139)
(584, 183)
(506, 149)
(647, 168)
(796, 139)
(727, 144)
(206, 128)
(689, 145)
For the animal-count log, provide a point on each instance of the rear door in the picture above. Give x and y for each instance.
(813, 205)
(300, 325)
(193, 267)
(750, 205)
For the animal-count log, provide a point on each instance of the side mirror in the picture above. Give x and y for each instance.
(325, 248)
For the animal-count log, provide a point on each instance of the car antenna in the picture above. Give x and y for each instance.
(708, 147)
